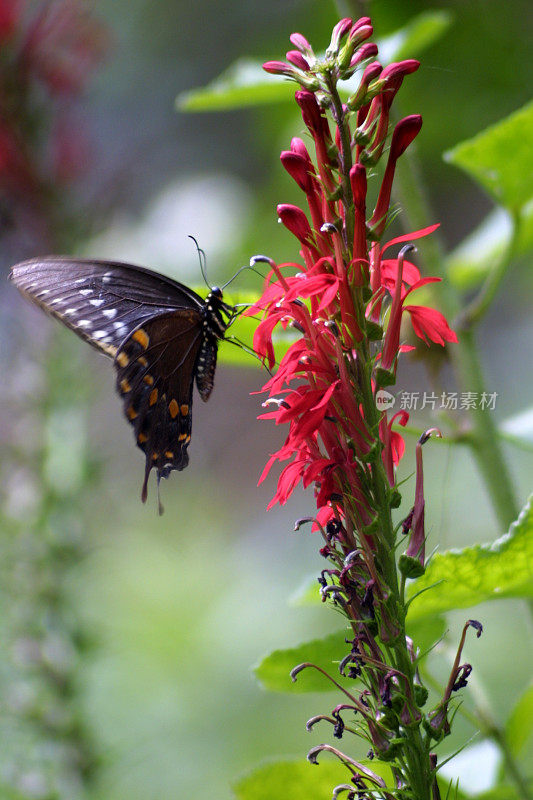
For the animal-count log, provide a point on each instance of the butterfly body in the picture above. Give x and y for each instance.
(161, 335)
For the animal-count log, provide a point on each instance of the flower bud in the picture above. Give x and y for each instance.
(296, 58)
(295, 221)
(341, 29)
(301, 43)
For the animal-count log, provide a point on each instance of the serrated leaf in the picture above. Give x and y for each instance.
(299, 780)
(519, 725)
(245, 84)
(475, 574)
(242, 85)
(500, 158)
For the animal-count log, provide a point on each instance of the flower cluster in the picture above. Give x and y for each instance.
(346, 301)
(47, 59)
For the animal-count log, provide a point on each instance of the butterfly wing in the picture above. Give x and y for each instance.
(156, 366)
(101, 301)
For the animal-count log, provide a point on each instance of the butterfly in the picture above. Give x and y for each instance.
(161, 335)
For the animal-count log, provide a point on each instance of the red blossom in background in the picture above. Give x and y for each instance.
(49, 54)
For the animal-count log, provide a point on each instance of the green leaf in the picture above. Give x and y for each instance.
(500, 158)
(245, 84)
(463, 578)
(273, 671)
(519, 726)
(242, 85)
(299, 780)
(519, 429)
(469, 264)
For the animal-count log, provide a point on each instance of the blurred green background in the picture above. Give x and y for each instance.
(128, 639)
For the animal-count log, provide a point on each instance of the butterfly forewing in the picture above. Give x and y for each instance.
(102, 301)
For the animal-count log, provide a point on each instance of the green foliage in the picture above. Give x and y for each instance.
(243, 84)
(499, 158)
(273, 671)
(299, 780)
(463, 578)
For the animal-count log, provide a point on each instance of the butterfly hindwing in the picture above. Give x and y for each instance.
(101, 301)
(155, 371)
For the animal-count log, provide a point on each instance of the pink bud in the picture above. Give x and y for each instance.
(358, 35)
(278, 68)
(296, 58)
(405, 132)
(295, 221)
(300, 42)
(297, 146)
(402, 68)
(368, 50)
(312, 113)
(341, 28)
(298, 168)
(358, 181)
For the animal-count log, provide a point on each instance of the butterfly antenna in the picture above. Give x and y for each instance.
(246, 266)
(203, 261)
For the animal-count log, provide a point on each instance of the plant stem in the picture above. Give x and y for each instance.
(484, 438)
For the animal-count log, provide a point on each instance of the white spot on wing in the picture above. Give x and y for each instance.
(96, 303)
(85, 292)
(100, 335)
(110, 312)
(70, 311)
(85, 323)
(106, 278)
(119, 326)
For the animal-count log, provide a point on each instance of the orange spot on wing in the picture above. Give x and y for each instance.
(122, 359)
(184, 408)
(142, 438)
(142, 337)
(125, 386)
(153, 397)
(131, 413)
(173, 408)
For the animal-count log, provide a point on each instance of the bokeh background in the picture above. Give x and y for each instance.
(128, 640)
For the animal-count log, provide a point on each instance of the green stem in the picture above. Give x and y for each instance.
(484, 439)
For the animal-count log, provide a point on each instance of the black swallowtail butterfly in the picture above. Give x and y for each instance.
(160, 334)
